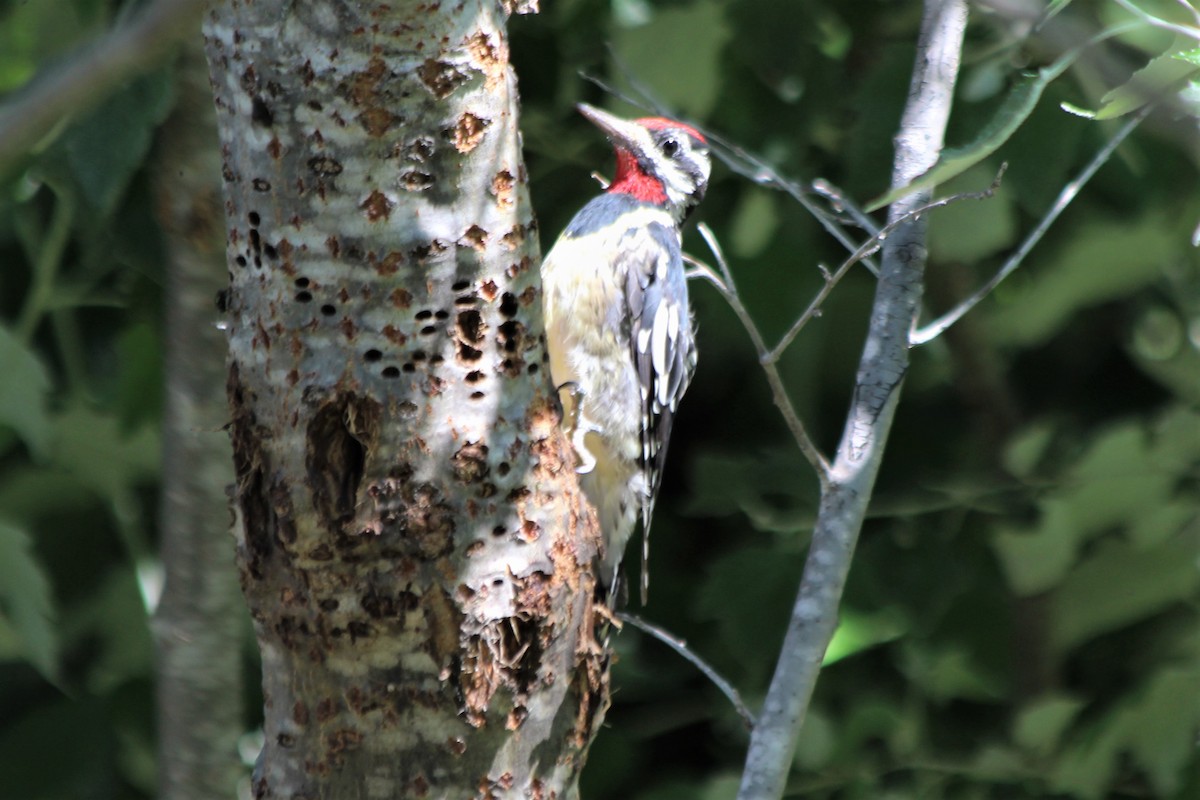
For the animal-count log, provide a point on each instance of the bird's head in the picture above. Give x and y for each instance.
(659, 160)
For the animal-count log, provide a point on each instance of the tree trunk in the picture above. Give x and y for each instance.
(199, 623)
(416, 554)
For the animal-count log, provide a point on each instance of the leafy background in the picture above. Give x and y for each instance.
(1021, 619)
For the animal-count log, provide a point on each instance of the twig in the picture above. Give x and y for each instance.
(728, 289)
(868, 247)
(1150, 19)
(762, 173)
(838, 198)
(92, 73)
(680, 647)
(928, 333)
(47, 263)
(881, 371)
(1188, 7)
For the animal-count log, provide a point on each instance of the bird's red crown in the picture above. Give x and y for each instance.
(631, 179)
(659, 123)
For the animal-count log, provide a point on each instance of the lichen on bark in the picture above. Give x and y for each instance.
(415, 551)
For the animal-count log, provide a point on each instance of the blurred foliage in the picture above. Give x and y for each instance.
(1021, 619)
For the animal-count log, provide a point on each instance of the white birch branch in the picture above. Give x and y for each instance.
(881, 372)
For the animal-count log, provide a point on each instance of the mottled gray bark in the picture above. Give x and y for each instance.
(200, 619)
(881, 371)
(416, 554)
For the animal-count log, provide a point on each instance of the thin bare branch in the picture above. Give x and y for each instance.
(939, 326)
(881, 372)
(868, 247)
(728, 289)
(680, 647)
(1158, 22)
(92, 73)
(756, 169)
(1188, 7)
(838, 199)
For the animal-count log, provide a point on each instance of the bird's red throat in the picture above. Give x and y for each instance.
(631, 179)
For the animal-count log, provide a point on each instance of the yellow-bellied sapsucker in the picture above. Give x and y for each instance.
(618, 325)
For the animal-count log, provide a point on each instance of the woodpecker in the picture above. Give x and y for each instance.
(618, 324)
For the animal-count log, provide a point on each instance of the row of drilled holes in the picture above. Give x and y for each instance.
(508, 308)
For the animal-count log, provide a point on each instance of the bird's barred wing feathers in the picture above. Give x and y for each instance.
(663, 348)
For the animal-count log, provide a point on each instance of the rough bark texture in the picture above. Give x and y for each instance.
(200, 620)
(416, 555)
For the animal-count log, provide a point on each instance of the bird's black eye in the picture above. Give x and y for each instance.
(669, 147)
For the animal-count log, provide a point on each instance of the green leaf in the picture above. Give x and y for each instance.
(105, 148)
(721, 787)
(815, 745)
(27, 601)
(23, 392)
(1160, 523)
(1037, 560)
(1025, 450)
(140, 379)
(1085, 768)
(1146, 85)
(754, 222)
(830, 33)
(1116, 480)
(999, 764)
(91, 446)
(1120, 585)
(1157, 727)
(948, 673)
(1120, 480)
(1017, 106)
(116, 614)
(1190, 56)
(1176, 445)
(1105, 259)
(1163, 727)
(32, 33)
(857, 632)
(1039, 726)
(970, 231)
(28, 492)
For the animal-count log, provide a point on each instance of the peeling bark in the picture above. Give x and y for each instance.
(415, 551)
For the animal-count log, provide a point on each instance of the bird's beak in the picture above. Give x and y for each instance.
(621, 132)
